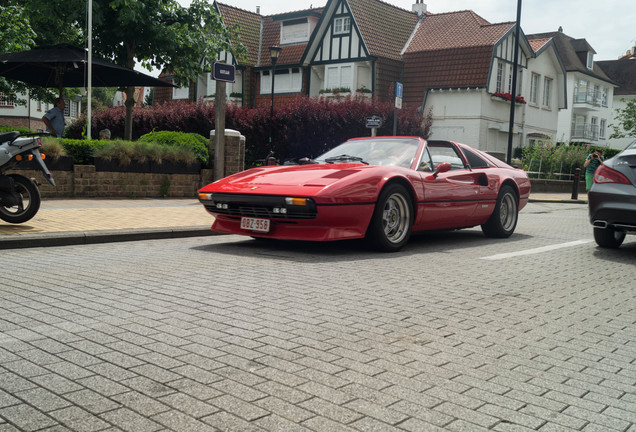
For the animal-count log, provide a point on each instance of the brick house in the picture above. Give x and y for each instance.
(348, 44)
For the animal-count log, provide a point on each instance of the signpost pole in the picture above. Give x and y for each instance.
(222, 73)
(219, 134)
(399, 88)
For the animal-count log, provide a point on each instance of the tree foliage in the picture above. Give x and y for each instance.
(626, 118)
(18, 35)
(158, 34)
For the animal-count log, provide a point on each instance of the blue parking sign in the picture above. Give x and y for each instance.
(399, 89)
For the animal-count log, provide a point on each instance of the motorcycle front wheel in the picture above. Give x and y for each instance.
(28, 201)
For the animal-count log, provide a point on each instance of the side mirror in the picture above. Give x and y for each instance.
(442, 168)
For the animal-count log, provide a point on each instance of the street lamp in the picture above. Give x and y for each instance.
(274, 52)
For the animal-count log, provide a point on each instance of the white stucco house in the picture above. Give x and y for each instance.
(590, 91)
(623, 72)
(460, 66)
(30, 115)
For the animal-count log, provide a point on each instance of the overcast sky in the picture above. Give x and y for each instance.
(609, 26)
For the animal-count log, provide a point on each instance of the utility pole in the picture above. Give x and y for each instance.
(513, 92)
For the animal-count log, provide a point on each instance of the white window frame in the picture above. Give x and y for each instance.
(5, 102)
(604, 92)
(534, 88)
(602, 127)
(547, 92)
(341, 25)
(339, 69)
(500, 77)
(590, 60)
(293, 83)
(179, 92)
(295, 37)
(580, 90)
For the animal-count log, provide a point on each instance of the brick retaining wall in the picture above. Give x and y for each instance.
(85, 182)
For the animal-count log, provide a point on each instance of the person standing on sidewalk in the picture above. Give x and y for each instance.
(54, 118)
(593, 161)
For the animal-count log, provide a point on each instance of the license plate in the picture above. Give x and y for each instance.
(255, 224)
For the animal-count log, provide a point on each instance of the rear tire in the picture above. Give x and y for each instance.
(503, 221)
(609, 237)
(29, 201)
(392, 219)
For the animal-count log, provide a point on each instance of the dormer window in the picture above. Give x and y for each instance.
(295, 31)
(590, 60)
(341, 25)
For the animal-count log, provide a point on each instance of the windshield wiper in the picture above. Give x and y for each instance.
(345, 157)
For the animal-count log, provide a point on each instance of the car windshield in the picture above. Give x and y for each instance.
(374, 151)
(631, 146)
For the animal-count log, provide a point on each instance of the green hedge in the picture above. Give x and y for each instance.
(82, 151)
(194, 141)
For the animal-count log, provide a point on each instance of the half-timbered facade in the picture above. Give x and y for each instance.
(460, 66)
(357, 46)
(456, 64)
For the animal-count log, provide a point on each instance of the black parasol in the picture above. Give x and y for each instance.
(65, 65)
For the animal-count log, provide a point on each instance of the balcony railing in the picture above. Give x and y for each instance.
(585, 131)
(589, 97)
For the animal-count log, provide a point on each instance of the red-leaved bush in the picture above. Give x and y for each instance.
(304, 127)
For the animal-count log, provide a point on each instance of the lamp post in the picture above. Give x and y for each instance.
(274, 52)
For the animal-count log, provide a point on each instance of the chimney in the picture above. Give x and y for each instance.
(258, 10)
(419, 7)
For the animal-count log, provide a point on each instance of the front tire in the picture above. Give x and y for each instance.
(392, 219)
(503, 221)
(609, 237)
(28, 201)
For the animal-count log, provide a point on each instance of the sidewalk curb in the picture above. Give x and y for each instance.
(556, 200)
(104, 236)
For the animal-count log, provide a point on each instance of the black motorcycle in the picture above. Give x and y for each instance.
(19, 195)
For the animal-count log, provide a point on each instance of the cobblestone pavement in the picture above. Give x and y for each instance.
(77, 221)
(456, 332)
(81, 221)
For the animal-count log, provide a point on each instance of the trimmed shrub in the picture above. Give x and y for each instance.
(81, 150)
(22, 130)
(196, 142)
(139, 151)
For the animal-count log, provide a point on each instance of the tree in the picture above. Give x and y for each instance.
(18, 35)
(161, 34)
(156, 33)
(626, 118)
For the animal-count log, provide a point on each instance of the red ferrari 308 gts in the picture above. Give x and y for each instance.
(381, 188)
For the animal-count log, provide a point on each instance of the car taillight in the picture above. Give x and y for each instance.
(607, 175)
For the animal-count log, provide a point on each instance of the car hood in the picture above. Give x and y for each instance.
(287, 179)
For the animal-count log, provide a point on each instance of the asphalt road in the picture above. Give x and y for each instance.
(456, 332)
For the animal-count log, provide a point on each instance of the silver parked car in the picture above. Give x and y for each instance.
(612, 199)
